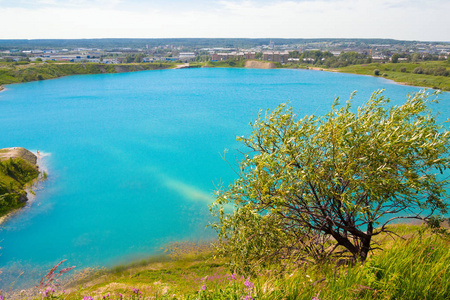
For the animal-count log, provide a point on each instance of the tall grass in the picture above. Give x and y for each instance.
(414, 268)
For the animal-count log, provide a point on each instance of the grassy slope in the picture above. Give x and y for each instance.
(393, 72)
(417, 267)
(12, 73)
(14, 175)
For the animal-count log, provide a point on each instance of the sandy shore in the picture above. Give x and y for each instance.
(2, 88)
(322, 69)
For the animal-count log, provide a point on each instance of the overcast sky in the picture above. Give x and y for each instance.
(398, 19)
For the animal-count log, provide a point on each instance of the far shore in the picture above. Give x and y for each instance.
(418, 80)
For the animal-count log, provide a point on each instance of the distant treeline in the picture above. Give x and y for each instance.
(186, 42)
(327, 59)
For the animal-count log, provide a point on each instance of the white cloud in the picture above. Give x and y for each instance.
(397, 19)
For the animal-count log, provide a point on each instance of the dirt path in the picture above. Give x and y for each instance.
(183, 66)
(254, 64)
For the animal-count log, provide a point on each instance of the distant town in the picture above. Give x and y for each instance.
(304, 51)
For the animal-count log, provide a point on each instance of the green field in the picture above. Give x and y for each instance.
(404, 73)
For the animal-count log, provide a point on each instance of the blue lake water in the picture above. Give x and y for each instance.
(134, 158)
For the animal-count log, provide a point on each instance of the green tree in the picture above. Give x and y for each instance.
(415, 57)
(129, 58)
(139, 57)
(395, 58)
(323, 186)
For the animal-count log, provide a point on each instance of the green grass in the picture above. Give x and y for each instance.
(416, 266)
(14, 175)
(226, 64)
(13, 73)
(394, 72)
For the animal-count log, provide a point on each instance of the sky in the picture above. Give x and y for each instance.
(70, 19)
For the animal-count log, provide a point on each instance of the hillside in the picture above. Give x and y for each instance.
(17, 169)
(17, 73)
(433, 74)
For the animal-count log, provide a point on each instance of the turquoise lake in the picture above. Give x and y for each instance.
(134, 158)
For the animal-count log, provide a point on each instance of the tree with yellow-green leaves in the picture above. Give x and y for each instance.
(323, 186)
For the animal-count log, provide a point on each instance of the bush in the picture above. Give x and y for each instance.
(418, 70)
(376, 72)
(403, 69)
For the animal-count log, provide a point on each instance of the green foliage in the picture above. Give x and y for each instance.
(395, 58)
(14, 174)
(376, 72)
(32, 72)
(227, 64)
(438, 71)
(416, 268)
(311, 186)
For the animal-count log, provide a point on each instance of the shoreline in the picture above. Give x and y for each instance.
(390, 79)
(126, 68)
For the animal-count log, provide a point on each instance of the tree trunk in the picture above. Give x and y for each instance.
(366, 243)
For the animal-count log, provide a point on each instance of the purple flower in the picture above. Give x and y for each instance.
(233, 276)
(87, 298)
(136, 291)
(248, 284)
(315, 298)
(203, 288)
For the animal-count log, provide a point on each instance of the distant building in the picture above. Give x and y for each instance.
(187, 55)
(148, 59)
(276, 56)
(232, 55)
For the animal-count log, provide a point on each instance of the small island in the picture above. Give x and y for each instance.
(18, 169)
